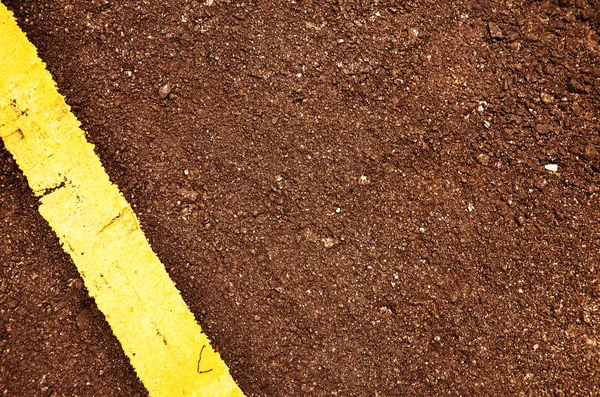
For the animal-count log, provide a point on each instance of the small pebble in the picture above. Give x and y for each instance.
(543, 129)
(547, 99)
(311, 236)
(587, 14)
(551, 167)
(549, 68)
(495, 31)
(77, 283)
(328, 242)
(83, 320)
(483, 158)
(575, 86)
(165, 90)
(187, 195)
(590, 152)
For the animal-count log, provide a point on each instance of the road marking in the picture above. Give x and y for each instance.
(100, 231)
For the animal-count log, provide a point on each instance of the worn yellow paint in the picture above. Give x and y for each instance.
(99, 230)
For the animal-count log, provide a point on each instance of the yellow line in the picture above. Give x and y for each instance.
(98, 228)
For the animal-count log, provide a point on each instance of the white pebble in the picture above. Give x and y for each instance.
(551, 167)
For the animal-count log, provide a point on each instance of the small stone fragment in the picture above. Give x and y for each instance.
(83, 320)
(77, 283)
(495, 31)
(187, 195)
(385, 311)
(483, 159)
(575, 86)
(540, 183)
(590, 152)
(549, 68)
(587, 14)
(543, 129)
(531, 36)
(547, 99)
(310, 236)
(551, 167)
(165, 90)
(569, 18)
(329, 242)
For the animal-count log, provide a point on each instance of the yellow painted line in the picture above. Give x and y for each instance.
(100, 231)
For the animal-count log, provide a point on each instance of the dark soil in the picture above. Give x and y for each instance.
(351, 196)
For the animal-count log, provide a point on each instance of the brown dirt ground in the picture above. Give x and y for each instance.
(350, 195)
